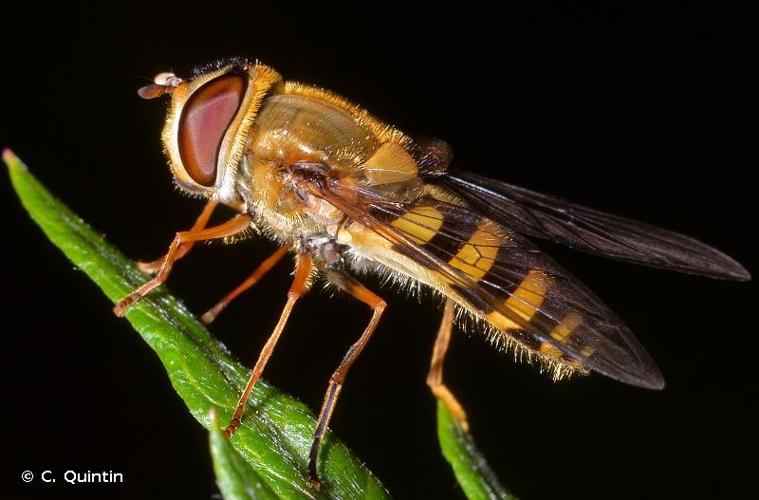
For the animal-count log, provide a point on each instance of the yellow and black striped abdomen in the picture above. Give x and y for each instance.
(484, 268)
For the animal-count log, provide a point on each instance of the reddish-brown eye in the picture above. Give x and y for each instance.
(205, 119)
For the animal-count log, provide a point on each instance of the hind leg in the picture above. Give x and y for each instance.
(435, 375)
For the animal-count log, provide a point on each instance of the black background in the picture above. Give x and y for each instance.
(636, 111)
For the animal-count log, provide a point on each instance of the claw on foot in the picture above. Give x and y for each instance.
(121, 306)
(314, 483)
(464, 425)
(210, 315)
(231, 427)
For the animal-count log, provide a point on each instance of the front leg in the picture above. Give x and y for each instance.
(234, 226)
(154, 266)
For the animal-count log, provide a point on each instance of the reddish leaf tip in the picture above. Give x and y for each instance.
(8, 155)
(12, 161)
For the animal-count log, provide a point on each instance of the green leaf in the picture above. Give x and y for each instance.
(275, 435)
(469, 466)
(236, 479)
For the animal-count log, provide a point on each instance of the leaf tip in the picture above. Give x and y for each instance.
(11, 160)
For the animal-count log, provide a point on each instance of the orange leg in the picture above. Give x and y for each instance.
(435, 375)
(300, 284)
(155, 266)
(251, 280)
(337, 379)
(234, 226)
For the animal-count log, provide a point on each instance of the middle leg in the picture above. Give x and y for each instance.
(251, 280)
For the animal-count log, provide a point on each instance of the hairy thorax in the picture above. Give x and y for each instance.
(305, 126)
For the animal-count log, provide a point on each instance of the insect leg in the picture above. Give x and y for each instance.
(337, 379)
(251, 280)
(299, 285)
(435, 375)
(233, 226)
(155, 266)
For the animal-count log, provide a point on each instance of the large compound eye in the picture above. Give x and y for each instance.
(204, 121)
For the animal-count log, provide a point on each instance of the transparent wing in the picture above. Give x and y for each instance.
(547, 217)
(507, 281)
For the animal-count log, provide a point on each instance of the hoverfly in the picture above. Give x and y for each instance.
(346, 193)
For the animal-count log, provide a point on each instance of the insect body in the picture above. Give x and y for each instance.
(345, 192)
